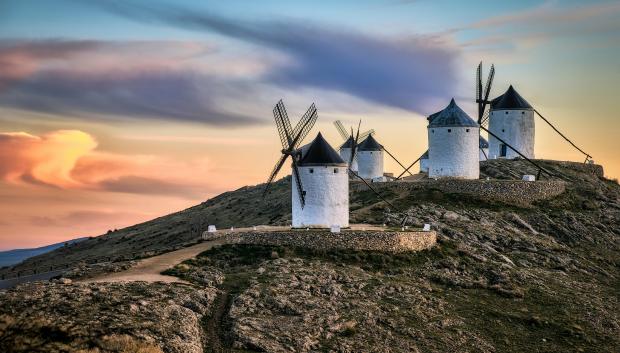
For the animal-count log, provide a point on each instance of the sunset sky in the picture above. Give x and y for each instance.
(116, 112)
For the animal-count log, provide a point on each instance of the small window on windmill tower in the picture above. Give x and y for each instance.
(466, 130)
(311, 170)
(449, 130)
(335, 170)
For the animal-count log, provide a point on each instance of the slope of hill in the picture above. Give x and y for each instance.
(542, 277)
(245, 207)
(12, 257)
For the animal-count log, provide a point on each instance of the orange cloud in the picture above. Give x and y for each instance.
(46, 159)
(68, 159)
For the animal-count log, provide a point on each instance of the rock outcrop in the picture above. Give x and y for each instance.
(63, 316)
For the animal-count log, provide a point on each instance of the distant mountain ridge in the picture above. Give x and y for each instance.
(15, 256)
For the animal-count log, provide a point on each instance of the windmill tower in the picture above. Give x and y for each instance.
(484, 149)
(511, 124)
(512, 120)
(326, 187)
(346, 148)
(424, 162)
(370, 159)
(324, 200)
(453, 139)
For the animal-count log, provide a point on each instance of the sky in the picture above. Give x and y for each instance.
(116, 112)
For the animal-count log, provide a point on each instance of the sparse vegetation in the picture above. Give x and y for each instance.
(503, 278)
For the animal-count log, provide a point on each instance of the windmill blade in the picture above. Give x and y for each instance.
(274, 172)
(354, 148)
(283, 124)
(304, 126)
(300, 189)
(341, 130)
(487, 89)
(479, 81)
(485, 118)
(479, 91)
(397, 161)
(366, 134)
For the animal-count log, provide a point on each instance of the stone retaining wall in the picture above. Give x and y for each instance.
(508, 191)
(388, 241)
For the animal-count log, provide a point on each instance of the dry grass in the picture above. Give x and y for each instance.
(122, 344)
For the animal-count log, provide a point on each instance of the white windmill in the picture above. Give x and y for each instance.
(453, 139)
(320, 195)
(346, 148)
(511, 119)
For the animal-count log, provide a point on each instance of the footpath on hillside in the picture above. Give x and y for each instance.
(150, 269)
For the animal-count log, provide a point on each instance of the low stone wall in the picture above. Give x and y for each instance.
(387, 241)
(508, 191)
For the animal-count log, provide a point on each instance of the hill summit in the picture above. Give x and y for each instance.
(535, 275)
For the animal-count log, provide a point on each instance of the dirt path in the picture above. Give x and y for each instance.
(150, 269)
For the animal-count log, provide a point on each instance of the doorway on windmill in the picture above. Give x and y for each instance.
(502, 150)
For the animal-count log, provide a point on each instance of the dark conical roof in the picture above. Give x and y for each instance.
(452, 115)
(433, 116)
(348, 143)
(510, 100)
(369, 144)
(483, 143)
(319, 152)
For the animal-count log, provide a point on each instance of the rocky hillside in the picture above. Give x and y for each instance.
(542, 277)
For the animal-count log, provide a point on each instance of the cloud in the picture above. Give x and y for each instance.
(549, 14)
(533, 27)
(46, 159)
(163, 95)
(90, 217)
(403, 73)
(116, 79)
(68, 159)
(19, 59)
(144, 185)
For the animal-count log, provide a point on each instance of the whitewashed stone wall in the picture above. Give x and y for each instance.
(388, 241)
(370, 164)
(454, 152)
(327, 197)
(345, 154)
(515, 127)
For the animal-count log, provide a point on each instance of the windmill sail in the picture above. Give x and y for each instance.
(291, 139)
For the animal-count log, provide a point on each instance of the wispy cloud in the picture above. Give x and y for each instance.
(535, 26)
(398, 72)
(90, 217)
(115, 80)
(549, 13)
